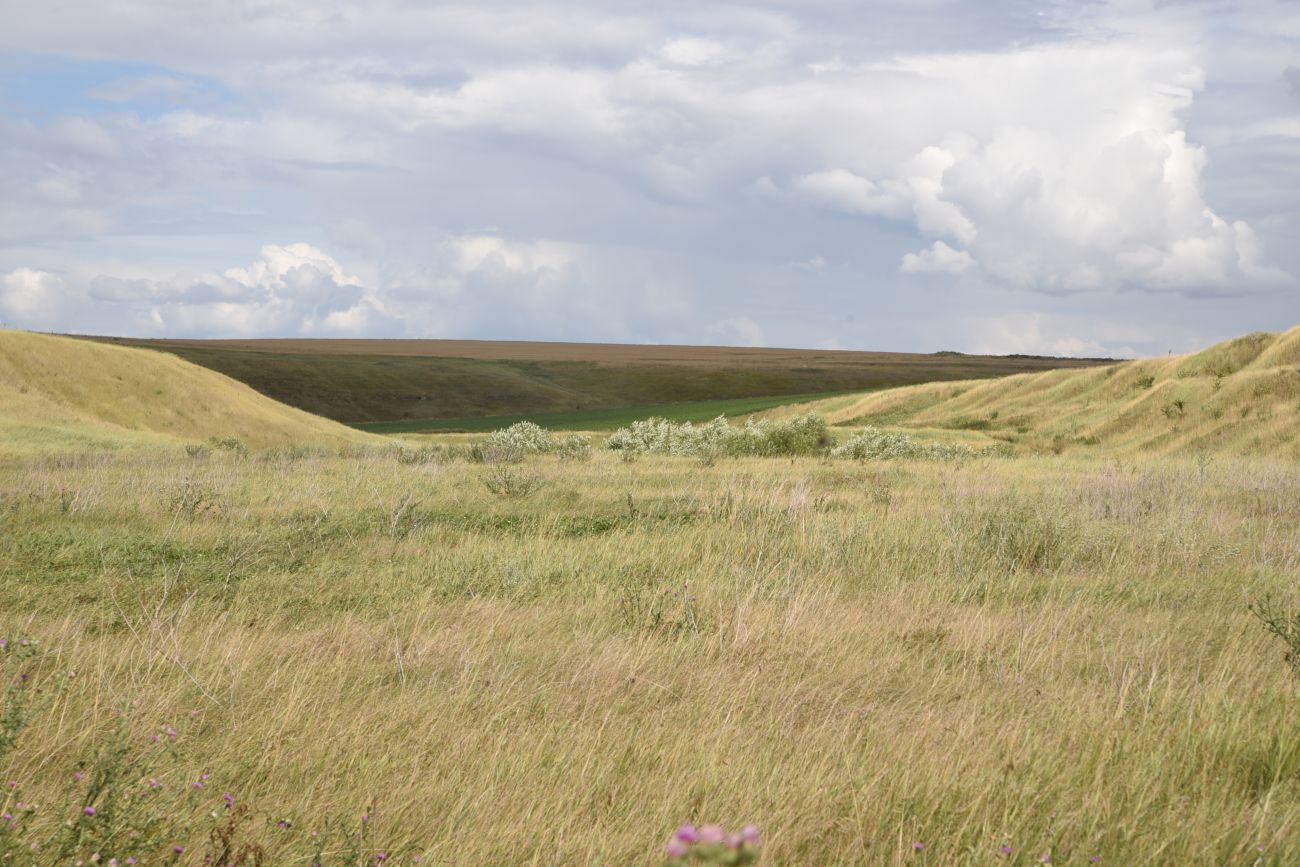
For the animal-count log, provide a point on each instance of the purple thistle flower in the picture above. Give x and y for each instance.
(178, 849)
(89, 811)
(749, 834)
(130, 860)
(171, 732)
(675, 849)
(76, 775)
(1046, 858)
(1005, 850)
(1094, 859)
(687, 834)
(918, 846)
(735, 841)
(153, 783)
(711, 835)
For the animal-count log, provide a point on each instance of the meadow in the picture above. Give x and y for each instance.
(994, 660)
(1049, 618)
(405, 381)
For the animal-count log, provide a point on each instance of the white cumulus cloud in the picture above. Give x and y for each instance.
(938, 259)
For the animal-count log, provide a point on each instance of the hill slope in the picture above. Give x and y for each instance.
(1240, 397)
(58, 393)
(459, 380)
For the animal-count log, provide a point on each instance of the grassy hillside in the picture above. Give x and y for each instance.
(1241, 396)
(402, 380)
(58, 394)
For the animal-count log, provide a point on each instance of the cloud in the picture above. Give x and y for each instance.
(650, 172)
(938, 259)
(693, 51)
(467, 284)
(1071, 171)
(1291, 75)
(31, 299)
(167, 88)
(1054, 334)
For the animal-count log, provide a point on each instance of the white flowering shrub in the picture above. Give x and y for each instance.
(524, 436)
(514, 443)
(803, 434)
(572, 447)
(873, 444)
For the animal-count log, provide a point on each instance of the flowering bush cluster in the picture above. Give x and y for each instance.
(712, 844)
(514, 443)
(802, 434)
(875, 444)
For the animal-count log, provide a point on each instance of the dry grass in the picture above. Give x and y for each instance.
(58, 394)
(1045, 653)
(1239, 397)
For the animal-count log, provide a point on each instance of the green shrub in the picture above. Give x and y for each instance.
(229, 444)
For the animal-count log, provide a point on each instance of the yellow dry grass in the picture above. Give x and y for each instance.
(63, 394)
(1239, 397)
(1051, 653)
(1047, 653)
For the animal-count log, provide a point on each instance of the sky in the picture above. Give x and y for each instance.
(1070, 178)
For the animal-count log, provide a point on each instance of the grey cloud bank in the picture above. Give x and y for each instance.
(1100, 178)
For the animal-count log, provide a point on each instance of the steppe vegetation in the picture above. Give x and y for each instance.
(1038, 656)
(409, 381)
(916, 643)
(1241, 397)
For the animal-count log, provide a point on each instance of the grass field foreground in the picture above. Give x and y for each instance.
(995, 661)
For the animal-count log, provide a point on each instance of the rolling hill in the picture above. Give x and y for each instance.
(62, 394)
(1241, 397)
(457, 383)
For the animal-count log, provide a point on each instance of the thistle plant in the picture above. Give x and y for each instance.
(712, 844)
